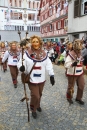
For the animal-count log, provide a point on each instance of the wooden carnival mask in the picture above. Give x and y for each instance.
(77, 45)
(69, 45)
(13, 45)
(35, 42)
(2, 44)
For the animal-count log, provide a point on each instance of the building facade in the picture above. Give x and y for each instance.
(77, 19)
(19, 15)
(54, 19)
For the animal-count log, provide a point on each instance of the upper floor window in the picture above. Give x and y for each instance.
(80, 7)
(84, 7)
(50, 27)
(46, 29)
(10, 2)
(77, 8)
(33, 5)
(65, 22)
(45, 15)
(37, 4)
(19, 15)
(29, 17)
(19, 3)
(15, 3)
(59, 24)
(29, 4)
(50, 12)
(54, 26)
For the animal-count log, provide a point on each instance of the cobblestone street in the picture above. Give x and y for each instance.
(56, 113)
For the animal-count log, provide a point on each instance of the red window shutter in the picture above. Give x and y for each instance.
(48, 13)
(57, 25)
(62, 23)
(49, 28)
(53, 27)
(62, 4)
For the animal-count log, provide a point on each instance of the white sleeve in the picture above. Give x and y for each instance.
(49, 67)
(6, 55)
(68, 62)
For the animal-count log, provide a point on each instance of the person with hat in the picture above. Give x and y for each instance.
(74, 67)
(36, 55)
(2, 51)
(13, 56)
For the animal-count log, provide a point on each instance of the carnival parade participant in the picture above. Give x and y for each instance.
(37, 55)
(13, 56)
(74, 66)
(49, 49)
(2, 51)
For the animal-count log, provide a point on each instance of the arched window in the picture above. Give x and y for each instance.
(37, 4)
(19, 3)
(29, 4)
(15, 3)
(33, 5)
(29, 16)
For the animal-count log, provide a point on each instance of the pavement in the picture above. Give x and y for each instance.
(56, 113)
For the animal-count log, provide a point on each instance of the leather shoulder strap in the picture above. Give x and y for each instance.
(32, 68)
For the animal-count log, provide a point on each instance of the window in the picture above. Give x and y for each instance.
(29, 4)
(65, 22)
(5, 15)
(10, 2)
(16, 15)
(15, 3)
(76, 36)
(29, 16)
(50, 12)
(20, 16)
(45, 15)
(46, 29)
(77, 8)
(19, 3)
(54, 26)
(37, 4)
(33, 5)
(50, 27)
(32, 28)
(59, 24)
(38, 18)
(42, 18)
(42, 30)
(84, 7)
(22, 28)
(29, 28)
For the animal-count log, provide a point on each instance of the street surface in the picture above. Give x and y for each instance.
(56, 113)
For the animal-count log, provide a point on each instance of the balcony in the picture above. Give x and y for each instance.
(54, 33)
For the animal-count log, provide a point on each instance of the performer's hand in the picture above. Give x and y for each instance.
(52, 81)
(22, 68)
(74, 64)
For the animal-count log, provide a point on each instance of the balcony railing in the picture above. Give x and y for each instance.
(55, 33)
